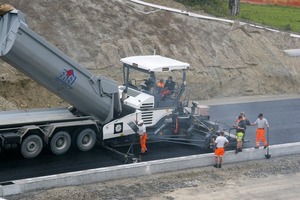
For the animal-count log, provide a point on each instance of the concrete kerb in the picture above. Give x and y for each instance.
(140, 169)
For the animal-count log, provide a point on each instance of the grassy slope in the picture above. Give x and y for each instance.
(278, 17)
(281, 17)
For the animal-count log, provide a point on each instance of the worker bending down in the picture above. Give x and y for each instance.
(143, 136)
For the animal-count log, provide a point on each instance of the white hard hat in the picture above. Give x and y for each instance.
(141, 121)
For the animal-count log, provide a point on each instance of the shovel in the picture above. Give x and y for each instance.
(268, 155)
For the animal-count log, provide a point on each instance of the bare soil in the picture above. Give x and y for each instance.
(226, 59)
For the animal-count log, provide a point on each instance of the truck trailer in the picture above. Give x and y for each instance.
(100, 109)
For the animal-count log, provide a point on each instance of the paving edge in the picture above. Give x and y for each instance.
(140, 169)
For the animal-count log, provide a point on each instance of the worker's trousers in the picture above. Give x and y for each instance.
(143, 140)
(260, 135)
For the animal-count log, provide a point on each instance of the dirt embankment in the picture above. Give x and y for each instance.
(226, 59)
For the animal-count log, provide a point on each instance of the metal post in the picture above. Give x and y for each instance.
(234, 7)
(268, 155)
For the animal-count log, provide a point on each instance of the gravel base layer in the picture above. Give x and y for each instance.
(273, 178)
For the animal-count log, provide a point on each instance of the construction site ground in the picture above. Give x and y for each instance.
(274, 178)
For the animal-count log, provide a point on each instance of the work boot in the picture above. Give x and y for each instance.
(236, 151)
(266, 146)
(220, 166)
(256, 147)
(143, 152)
(216, 166)
(240, 150)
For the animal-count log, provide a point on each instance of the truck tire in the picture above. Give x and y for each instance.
(86, 139)
(60, 143)
(31, 146)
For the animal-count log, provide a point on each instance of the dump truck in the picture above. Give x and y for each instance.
(100, 111)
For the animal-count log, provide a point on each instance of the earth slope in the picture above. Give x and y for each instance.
(226, 59)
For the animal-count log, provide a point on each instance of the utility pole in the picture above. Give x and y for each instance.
(234, 7)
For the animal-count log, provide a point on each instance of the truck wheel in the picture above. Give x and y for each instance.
(86, 139)
(31, 146)
(60, 143)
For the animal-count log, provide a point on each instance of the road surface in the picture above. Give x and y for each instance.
(282, 114)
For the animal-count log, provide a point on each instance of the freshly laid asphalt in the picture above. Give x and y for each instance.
(282, 114)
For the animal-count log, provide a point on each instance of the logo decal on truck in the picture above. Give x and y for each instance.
(67, 77)
(118, 128)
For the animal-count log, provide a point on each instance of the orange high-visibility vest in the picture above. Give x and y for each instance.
(161, 85)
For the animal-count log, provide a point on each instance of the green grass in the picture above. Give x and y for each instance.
(278, 17)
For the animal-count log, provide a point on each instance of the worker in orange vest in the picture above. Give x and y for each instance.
(246, 121)
(243, 117)
(161, 84)
(240, 131)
